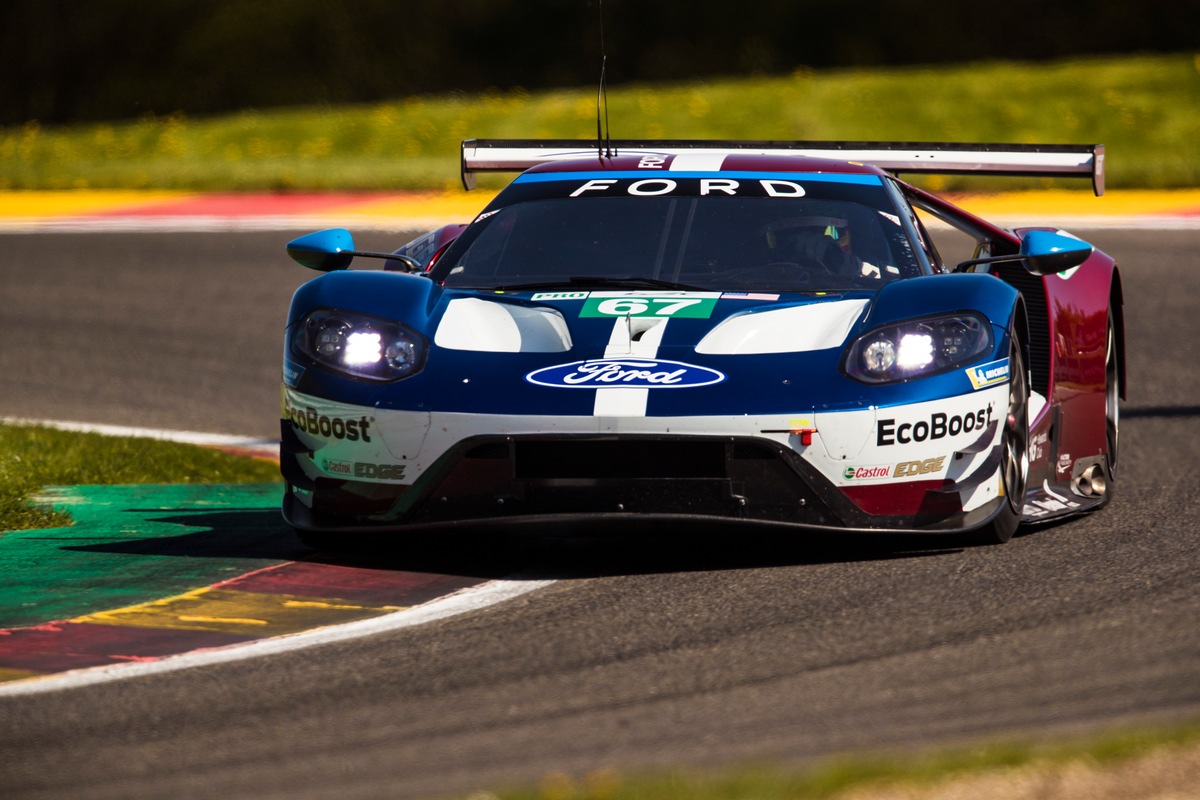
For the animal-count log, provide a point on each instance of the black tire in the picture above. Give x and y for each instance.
(1014, 453)
(1112, 400)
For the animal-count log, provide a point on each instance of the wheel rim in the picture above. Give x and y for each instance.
(1015, 442)
(1112, 397)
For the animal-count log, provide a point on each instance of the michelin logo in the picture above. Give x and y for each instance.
(988, 374)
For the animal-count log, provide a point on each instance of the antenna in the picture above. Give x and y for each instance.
(602, 131)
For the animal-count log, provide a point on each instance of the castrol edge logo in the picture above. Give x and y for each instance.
(629, 373)
(905, 469)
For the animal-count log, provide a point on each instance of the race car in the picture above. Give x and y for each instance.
(753, 331)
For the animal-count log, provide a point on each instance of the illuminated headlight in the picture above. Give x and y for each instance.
(917, 348)
(362, 346)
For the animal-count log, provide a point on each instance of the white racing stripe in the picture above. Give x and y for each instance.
(631, 338)
(697, 162)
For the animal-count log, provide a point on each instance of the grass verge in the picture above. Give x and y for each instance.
(1160, 762)
(32, 457)
(1146, 110)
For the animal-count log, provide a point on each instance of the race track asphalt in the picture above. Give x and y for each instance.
(656, 649)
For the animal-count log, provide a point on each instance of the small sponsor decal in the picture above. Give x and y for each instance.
(560, 296)
(334, 467)
(911, 469)
(356, 469)
(1037, 446)
(749, 296)
(649, 305)
(382, 472)
(937, 425)
(292, 372)
(986, 375)
(625, 373)
(867, 473)
(1064, 462)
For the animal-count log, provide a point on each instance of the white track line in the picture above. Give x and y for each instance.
(461, 602)
(464, 601)
(223, 224)
(264, 446)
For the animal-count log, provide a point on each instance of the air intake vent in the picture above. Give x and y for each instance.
(752, 451)
(1031, 288)
(601, 459)
(491, 450)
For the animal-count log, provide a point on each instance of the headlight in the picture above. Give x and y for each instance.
(918, 348)
(358, 345)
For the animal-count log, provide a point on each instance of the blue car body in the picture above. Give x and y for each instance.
(760, 337)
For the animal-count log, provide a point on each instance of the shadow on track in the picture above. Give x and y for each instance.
(230, 533)
(1171, 412)
(587, 549)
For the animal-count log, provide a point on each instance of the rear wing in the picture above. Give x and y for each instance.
(931, 158)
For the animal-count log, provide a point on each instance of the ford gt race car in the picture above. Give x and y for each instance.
(752, 331)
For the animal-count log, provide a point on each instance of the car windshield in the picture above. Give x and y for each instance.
(717, 242)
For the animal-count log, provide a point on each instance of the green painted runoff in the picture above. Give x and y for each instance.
(136, 543)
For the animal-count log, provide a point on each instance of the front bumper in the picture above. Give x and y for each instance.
(923, 467)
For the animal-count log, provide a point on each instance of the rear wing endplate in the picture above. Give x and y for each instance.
(930, 158)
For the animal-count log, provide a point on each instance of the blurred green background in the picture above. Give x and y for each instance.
(68, 61)
(368, 94)
(281, 95)
(1146, 110)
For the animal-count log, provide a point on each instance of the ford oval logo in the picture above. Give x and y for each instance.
(625, 373)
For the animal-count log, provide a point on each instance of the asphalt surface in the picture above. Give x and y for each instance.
(657, 649)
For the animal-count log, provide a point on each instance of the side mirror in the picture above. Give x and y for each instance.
(324, 251)
(332, 250)
(1046, 253)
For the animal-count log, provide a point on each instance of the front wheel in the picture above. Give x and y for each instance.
(1014, 453)
(1112, 399)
